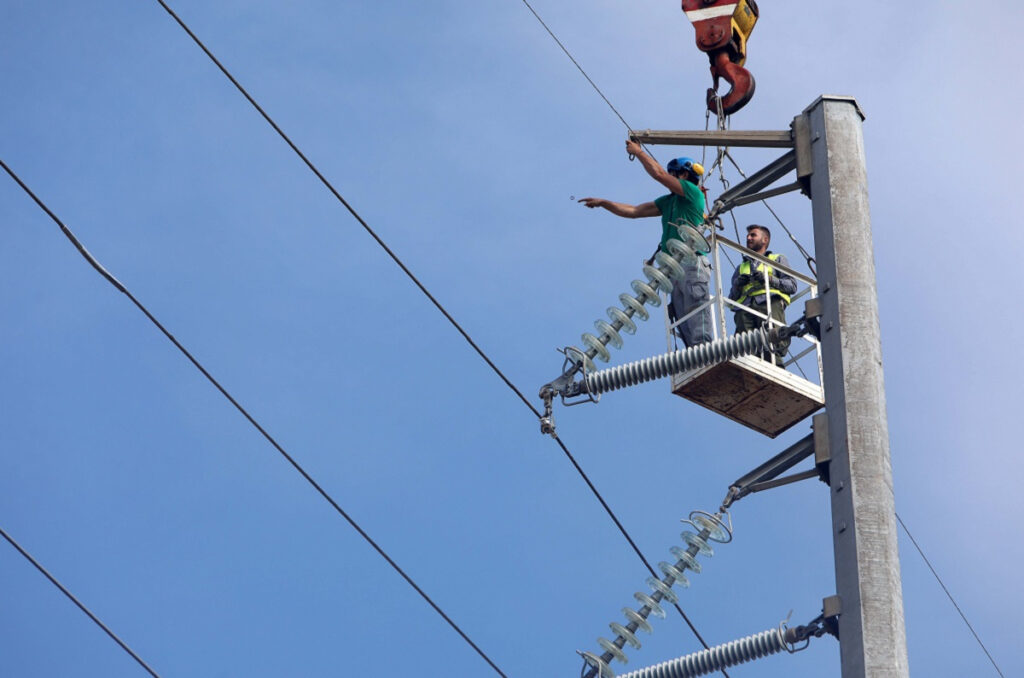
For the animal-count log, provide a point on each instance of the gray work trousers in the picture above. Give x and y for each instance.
(688, 295)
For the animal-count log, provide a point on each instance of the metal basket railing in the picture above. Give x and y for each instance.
(803, 359)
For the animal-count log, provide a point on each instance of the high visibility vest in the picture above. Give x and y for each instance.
(756, 285)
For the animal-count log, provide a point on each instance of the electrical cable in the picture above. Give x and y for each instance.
(73, 599)
(291, 460)
(948, 594)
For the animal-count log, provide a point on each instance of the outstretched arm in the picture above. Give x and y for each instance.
(647, 209)
(657, 172)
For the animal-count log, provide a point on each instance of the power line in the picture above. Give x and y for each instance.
(948, 594)
(411, 276)
(77, 602)
(291, 460)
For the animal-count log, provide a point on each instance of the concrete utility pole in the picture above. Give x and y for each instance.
(850, 442)
(872, 636)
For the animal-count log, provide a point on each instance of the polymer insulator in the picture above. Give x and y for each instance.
(676, 362)
(717, 658)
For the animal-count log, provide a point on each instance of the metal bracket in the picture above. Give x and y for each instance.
(766, 476)
(831, 608)
(747, 188)
(764, 195)
(734, 138)
(804, 162)
(813, 311)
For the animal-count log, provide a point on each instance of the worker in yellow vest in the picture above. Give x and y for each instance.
(748, 288)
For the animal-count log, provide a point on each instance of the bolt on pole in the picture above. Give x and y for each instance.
(872, 635)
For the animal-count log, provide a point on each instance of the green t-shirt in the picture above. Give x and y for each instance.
(687, 208)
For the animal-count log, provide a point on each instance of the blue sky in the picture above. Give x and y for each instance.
(460, 132)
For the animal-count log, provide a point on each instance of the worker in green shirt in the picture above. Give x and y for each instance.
(683, 205)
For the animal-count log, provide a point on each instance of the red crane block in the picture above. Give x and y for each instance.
(722, 28)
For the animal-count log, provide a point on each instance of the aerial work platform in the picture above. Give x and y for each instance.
(748, 389)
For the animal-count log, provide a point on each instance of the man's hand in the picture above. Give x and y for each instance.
(742, 280)
(633, 148)
(592, 202)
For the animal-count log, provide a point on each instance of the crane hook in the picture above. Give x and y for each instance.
(722, 28)
(741, 80)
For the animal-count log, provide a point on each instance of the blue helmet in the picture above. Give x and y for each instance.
(685, 164)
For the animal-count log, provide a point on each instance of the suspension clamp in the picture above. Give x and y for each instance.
(547, 422)
(565, 387)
